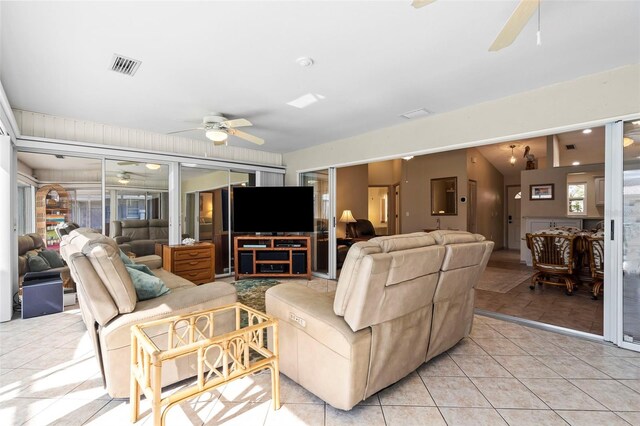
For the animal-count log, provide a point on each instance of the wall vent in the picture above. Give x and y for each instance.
(570, 146)
(124, 65)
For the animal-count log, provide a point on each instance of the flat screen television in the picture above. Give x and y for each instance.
(272, 209)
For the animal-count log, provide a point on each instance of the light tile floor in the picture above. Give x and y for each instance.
(504, 373)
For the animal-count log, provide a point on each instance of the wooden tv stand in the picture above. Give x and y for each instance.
(257, 256)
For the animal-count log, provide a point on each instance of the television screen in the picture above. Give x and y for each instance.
(273, 209)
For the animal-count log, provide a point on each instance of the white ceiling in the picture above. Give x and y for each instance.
(374, 60)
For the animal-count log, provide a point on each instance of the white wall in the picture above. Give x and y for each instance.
(593, 98)
(415, 190)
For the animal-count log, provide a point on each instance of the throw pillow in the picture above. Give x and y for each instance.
(141, 268)
(38, 264)
(52, 257)
(125, 259)
(147, 286)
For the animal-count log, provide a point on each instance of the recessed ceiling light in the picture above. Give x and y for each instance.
(575, 163)
(305, 61)
(408, 157)
(306, 100)
(152, 166)
(636, 123)
(587, 131)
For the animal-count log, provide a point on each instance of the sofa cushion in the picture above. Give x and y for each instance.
(136, 229)
(52, 257)
(350, 270)
(99, 301)
(445, 237)
(38, 242)
(158, 229)
(25, 243)
(117, 333)
(403, 242)
(38, 264)
(147, 285)
(104, 255)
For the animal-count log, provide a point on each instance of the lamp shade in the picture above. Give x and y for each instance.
(347, 217)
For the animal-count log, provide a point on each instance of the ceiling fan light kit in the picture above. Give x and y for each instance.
(216, 135)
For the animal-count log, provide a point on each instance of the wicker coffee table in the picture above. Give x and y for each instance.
(221, 358)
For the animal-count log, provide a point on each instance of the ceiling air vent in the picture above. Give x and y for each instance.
(570, 146)
(416, 113)
(124, 65)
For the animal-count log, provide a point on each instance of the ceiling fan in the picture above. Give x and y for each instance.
(513, 26)
(217, 128)
(124, 177)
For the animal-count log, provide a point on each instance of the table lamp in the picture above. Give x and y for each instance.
(347, 217)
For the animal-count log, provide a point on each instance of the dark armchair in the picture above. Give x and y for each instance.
(361, 230)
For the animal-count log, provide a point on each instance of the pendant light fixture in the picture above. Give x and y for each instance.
(512, 160)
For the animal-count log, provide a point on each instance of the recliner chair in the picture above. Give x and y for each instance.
(361, 230)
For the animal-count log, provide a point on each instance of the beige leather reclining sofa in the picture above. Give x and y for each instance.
(109, 305)
(400, 301)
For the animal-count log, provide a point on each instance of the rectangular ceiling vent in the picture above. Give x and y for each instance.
(61, 157)
(570, 146)
(416, 113)
(124, 65)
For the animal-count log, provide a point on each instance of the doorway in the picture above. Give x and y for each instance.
(472, 195)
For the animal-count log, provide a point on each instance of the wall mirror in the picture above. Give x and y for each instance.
(444, 193)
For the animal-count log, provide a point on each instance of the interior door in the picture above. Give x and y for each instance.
(472, 195)
(513, 217)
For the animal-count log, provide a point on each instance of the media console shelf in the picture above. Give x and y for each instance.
(288, 256)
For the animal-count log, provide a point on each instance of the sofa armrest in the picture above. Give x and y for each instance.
(312, 313)
(121, 239)
(152, 261)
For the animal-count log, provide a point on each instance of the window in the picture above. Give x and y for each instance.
(577, 198)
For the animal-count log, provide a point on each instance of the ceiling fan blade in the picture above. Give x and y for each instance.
(185, 130)
(246, 136)
(515, 24)
(128, 163)
(420, 3)
(239, 122)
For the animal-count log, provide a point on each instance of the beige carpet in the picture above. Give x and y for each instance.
(501, 280)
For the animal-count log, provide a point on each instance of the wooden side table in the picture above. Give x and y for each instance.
(239, 353)
(194, 262)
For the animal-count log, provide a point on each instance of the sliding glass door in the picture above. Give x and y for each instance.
(206, 208)
(323, 238)
(631, 234)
